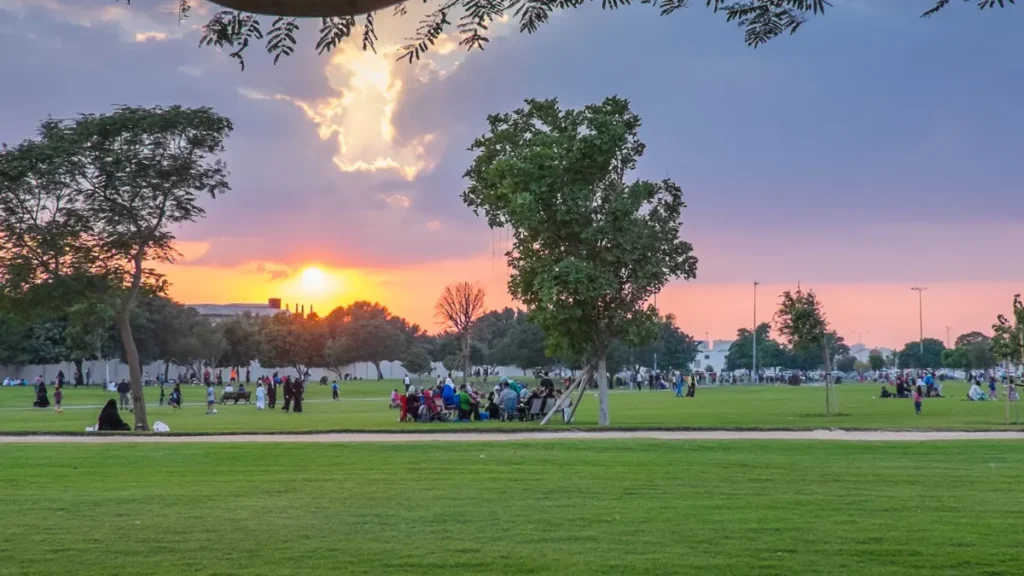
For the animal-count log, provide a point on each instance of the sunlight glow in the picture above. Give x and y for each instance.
(314, 280)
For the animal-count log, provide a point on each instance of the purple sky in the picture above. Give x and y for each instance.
(871, 147)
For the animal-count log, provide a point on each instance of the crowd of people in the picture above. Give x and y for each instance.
(508, 401)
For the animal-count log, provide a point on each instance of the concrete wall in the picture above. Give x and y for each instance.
(118, 370)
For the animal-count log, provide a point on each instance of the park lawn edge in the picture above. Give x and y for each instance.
(593, 429)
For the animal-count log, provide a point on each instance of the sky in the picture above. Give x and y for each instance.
(870, 152)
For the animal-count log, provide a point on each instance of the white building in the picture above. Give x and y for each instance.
(713, 355)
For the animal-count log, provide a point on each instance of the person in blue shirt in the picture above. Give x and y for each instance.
(679, 385)
(334, 390)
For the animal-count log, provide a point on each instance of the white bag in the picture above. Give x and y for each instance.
(161, 427)
(90, 429)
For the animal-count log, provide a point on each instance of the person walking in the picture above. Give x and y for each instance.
(211, 398)
(334, 390)
(918, 394)
(58, 396)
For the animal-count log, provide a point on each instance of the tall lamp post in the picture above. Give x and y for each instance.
(920, 313)
(753, 364)
(947, 335)
(659, 335)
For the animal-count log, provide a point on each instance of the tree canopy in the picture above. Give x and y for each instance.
(97, 197)
(244, 24)
(911, 355)
(770, 352)
(589, 250)
(1008, 341)
(801, 321)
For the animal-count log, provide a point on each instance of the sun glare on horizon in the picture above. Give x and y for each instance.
(313, 279)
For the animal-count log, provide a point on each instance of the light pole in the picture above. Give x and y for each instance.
(659, 336)
(947, 335)
(920, 313)
(753, 364)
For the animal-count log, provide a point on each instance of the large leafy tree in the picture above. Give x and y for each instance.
(243, 25)
(293, 341)
(675, 349)
(912, 356)
(523, 346)
(875, 360)
(802, 322)
(770, 353)
(111, 188)
(242, 340)
(367, 332)
(972, 351)
(589, 250)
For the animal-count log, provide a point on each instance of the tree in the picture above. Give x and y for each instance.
(523, 347)
(13, 340)
(492, 329)
(876, 360)
(589, 250)
(972, 351)
(241, 26)
(293, 341)
(911, 355)
(770, 353)
(846, 363)
(415, 361)
(1008, 341)
(242, 340)
(89, 330)
(459, 307)
(675, 348)
(802, 322)
(367, 332)
(114, 185)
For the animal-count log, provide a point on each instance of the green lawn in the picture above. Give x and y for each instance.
(364, 407)
(611, 507)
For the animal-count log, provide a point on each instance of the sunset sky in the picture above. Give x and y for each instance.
(871, 152)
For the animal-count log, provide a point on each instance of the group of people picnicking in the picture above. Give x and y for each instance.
(925, 385)
(507, 401)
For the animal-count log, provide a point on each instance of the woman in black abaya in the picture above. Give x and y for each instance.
(110, 420)
(42, 399)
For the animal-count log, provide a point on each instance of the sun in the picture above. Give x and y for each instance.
(314, 279)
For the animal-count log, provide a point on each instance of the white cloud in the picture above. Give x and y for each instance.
(147, 36)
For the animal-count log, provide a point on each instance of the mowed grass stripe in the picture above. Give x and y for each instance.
(637, 507)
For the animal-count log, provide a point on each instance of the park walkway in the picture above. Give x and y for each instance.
(686, 435)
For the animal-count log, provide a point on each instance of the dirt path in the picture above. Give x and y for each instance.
(842, 435)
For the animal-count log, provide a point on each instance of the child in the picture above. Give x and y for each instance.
(334, 390)
(161, 394)
(58, 395)
(918, 393)
(211, 397)
(395, 403)
(992, 393)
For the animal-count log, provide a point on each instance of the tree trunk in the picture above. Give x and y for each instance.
(465, 357)
(602, 390)
(131, 354)
(829, 390)
(167, 371)
(380, 375)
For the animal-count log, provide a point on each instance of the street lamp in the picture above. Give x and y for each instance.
(659, 335)
(947, 335)
(753, 364)
(920, 313)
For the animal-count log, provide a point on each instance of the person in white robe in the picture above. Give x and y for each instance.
(261, 397)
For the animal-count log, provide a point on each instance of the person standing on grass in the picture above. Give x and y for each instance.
(58, 395)
(211, 398)
(261, 396)
(287, 389)
(161, 393)
(272, 391)
(334, 390)
(298, 388)
(123, 388)
(918, 395)
(993, 393)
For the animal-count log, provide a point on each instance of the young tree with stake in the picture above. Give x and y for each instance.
(590, 250)
(802, 322)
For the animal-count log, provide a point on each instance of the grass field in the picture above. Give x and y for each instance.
(363, 406)
(613, 507)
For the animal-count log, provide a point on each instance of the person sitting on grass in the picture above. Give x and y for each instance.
(467, 407)
(885, 393)
(395, 402)
(110, 419)
(975, 394)
(493, 412)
